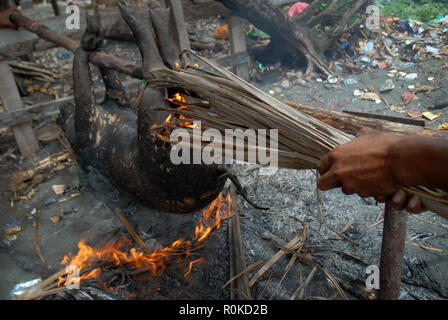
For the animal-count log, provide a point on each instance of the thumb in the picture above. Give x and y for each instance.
(366, 131)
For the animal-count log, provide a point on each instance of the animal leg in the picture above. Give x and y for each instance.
(141, 26)
(86, 109)
(114, 88)
(167, 41)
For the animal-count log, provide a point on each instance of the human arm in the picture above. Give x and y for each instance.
(378, 164)
(4, 18)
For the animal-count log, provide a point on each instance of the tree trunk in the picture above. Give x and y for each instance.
(294, 34)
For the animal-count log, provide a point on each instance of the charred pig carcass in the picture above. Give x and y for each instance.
(117, 139)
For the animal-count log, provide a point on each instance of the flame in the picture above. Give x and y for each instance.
(168, 118)
(178, 99)
(89, 261)
(190, 267)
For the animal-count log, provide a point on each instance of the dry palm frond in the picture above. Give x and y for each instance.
(233, 103)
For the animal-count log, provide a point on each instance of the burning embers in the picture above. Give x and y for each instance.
(118, 259)
(197, 143)
(174, 119)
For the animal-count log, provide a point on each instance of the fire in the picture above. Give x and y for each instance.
(179, 100)
(89, 262)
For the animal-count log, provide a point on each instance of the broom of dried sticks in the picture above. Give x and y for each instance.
(233, 103)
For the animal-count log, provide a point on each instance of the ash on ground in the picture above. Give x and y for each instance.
(290, 195)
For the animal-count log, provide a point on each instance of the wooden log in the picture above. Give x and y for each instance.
(15, 43)
(411, 121)
(239, 288)
(23, 133)
(354, 124)
(99, 58)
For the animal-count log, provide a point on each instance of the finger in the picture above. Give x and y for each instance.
(381, 199)
(347, 191)
(328, 181)
(414, 205)
(365, 131)
(325, 163)
(398, 200)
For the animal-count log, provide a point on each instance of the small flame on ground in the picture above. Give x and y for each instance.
(89, 261)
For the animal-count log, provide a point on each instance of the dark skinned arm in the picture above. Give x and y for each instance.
(4, 18)
(378, 164)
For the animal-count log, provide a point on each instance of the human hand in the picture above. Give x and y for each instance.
(4, 18)
(401, 200)
(363, 166)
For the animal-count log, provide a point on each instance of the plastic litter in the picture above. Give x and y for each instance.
(22, 287)
(403, 65)
(387, 86)
(257, 33)
(365, 59)
(358, 93)
(406, 26)
(415, 113)
(368, 47)
(297, 8)
(222, 32)
(432, 50)
(350, 81)
(332, 80)
(411, 76)
(443, 126)
(408, 96)
(431, 116)
(65, 55)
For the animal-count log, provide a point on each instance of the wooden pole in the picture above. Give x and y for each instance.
(179, 20)
(238, 43)
(55, 6)
(239, 288)
(392, 252)
(9, 94)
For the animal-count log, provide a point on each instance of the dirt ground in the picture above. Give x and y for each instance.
(289, 194)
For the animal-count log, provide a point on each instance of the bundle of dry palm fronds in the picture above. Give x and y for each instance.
(230, 103)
